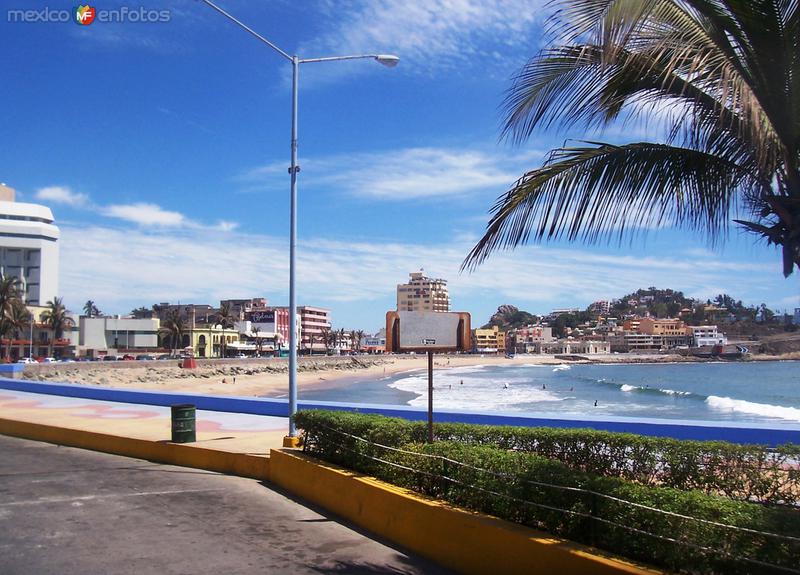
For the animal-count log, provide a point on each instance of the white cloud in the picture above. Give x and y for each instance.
(145, 214)
(61, 195)
(226, 226)
(123, 269)
(408, 173)
(432, 35)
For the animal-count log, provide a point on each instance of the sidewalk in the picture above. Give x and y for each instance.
(219, 431)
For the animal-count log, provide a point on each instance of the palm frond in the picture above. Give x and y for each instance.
(605, 191)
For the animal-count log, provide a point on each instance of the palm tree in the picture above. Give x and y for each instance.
(172, 328)
(725, 76)
(224, 319)
(259, 340)
(55, 318)
(359, 336)
(142, 313)
(325, 338)
(10, 294)
(18, 320)
(90, 309)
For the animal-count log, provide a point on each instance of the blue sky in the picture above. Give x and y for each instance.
(162, 149)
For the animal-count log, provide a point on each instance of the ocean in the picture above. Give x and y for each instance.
(763, 392)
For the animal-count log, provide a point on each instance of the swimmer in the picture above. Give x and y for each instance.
(571, 388)
(462, 382)
(505, 386)
(544, 386)
(595, 403)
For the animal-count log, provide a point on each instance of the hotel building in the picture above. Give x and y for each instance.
(313, 320)
(422, 293)
(29, 247)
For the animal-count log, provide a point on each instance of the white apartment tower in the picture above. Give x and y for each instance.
(29, 247)
(422, 293)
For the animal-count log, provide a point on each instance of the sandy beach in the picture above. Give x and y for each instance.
(269, 377)
(261, 377)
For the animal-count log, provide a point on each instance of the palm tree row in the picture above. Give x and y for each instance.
(55, 318)
(723, 76)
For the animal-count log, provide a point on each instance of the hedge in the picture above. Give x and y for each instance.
(530, 489)
(746, 472)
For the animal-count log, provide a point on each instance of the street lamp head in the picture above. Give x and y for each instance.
(388, 60)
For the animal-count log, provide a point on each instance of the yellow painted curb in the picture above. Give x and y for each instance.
(186, 455)
(455, 538)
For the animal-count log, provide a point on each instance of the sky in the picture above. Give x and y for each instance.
(162, 149)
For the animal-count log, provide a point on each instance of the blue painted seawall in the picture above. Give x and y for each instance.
(764, 434)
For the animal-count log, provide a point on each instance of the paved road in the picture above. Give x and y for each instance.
(68, 511)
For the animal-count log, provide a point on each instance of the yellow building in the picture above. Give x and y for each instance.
(208, 341)
(490, 340)
(667, 326)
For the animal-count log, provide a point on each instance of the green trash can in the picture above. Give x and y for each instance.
(183, 417)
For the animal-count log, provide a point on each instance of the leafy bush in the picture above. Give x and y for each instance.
(747, 472)
(608, 512)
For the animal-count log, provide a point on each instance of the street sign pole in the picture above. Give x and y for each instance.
(430, 396)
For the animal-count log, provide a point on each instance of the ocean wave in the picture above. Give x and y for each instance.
(648, 389)
(743, 406)
(561, 368)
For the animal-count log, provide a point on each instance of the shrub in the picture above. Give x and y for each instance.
(613, 513)
(746, 472)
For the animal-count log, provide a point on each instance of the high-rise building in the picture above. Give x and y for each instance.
(422, 293)
(29, 247)
(314, 321)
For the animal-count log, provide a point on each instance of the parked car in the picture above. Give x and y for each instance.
(144, 357)
(110, 358)
(46, 360)
(128, 357)
(26, 360)
(66, 360)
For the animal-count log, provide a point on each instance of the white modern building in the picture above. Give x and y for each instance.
(29, 247)
(114, 333)
(702, 335)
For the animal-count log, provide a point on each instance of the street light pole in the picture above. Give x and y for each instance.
(387, 60)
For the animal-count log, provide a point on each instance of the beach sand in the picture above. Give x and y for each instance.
(262, 378)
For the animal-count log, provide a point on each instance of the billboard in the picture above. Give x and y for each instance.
(427, 331)
(263, 317)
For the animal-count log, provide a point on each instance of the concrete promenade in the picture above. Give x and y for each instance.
(229, 432)
(249, 446)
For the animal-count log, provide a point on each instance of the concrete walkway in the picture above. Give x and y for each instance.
(229, 432)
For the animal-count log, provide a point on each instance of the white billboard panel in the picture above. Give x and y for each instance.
(428, 329)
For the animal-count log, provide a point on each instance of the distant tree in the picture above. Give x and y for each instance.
(90, 309)
(55, 318)
(259, 339)
(359, 337)
(325, 338)
(658, 309)
(224, 319)
(19, 319)
(142, 313)
(172, 328)
(10, 297)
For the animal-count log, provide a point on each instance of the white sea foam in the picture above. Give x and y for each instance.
(673, 392)
(474, 394)
(561, 368)
(626, 387)
(763, 409)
